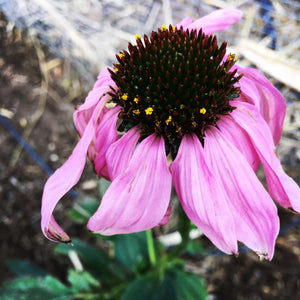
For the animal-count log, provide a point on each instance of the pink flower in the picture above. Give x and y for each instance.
(190, 116)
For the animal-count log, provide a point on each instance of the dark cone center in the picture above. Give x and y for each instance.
(174, 83)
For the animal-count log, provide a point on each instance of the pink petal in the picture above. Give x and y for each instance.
(166, 217)
(200, 195)
(65, 178)
(84, 112)
(265, 97)
(282, 188)
(55, 233)
(218, 20)
(106, 134)
(120, 152)
(251, 208)
(138, 198)
(104, 79)
(240, 139)
(82, 116)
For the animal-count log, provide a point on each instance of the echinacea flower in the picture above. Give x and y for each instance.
(176, 108)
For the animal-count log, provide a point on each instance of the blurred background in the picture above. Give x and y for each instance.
(50, 55)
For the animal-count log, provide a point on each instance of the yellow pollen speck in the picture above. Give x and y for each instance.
(136, 100)
(121, 55)
(163, 27)
(116, 70)
(173, 27)
(124, 97)
(202, 111)
(178, 129)
(137, 37)
(168, 120)
(136, 111)
(157, 123)
(194, 124)
(181, 106)
(149, 111)
(230, 57)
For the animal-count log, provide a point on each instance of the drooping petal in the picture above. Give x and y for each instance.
(120, 152)
(104, 79)
(55, 233)
(138, 198)
(240, 139)
(270, 103)
(106, 134)
(252, 209)
(200, 195)
(65, 178)
(83, 113)
(218, 20)
(282, 188)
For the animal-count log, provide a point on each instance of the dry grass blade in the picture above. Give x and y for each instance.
(272, 62)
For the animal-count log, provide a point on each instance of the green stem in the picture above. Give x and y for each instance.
(151, 249)
(184, 226)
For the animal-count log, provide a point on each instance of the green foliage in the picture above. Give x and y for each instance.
(131, 250)
(103, 186)
(55, 285)
(83, 209)
(189, 286)
(175, 284)
(97, 261)
(184, 224)
(126, 276)
(82, 281)
(33, 288)
(86, 205)
(195, 248)
(150, 287)
(24, 268)
(82, 286)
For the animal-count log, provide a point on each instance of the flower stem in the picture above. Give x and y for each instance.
(150, 245)
(184, 226)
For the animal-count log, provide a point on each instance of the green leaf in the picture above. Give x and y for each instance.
(24, 268)
(83, 209)
(188, 286)
(55, 285)
(82, 281)
(29, 288)
(174, 285)
(96, 261)
(103, 185)
(194, 247)
(24, 283)
(150, 287)
(131, 250)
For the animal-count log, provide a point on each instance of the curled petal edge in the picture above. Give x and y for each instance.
(64, 178)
